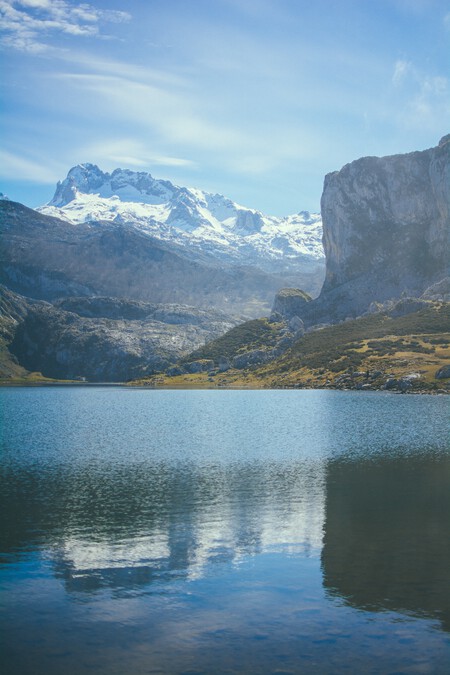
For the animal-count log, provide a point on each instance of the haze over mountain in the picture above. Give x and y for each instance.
(124, 243)
(203, 222)
(125, 238)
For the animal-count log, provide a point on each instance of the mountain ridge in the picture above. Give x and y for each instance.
(204, 221)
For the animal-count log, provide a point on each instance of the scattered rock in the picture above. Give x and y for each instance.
(439, 291)
(224, 364)
(251, 358)
(391, 383)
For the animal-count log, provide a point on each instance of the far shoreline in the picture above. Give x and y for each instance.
(185, 387)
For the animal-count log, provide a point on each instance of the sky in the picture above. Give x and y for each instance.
(254, 99)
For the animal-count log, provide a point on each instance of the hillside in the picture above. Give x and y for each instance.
(46, 258)
(377, 351)
(99, 339)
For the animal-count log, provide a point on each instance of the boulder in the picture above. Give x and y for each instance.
(443, 373)
(290, 302)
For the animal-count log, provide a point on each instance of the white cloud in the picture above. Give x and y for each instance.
(27, 25)
(170, 114)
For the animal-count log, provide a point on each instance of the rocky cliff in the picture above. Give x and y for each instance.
(385, 229)
(101, 338)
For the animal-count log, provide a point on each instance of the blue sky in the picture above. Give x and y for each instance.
(255, 99)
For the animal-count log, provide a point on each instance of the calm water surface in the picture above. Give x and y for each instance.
(224, 532)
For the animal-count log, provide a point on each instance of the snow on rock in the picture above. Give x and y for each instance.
(188, 216)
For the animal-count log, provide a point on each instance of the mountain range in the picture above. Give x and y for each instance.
(206, 223)
(122, 275)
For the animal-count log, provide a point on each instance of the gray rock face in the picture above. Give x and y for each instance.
(289, 302)
(385, 228)
(443, 373)
(102, 339)
(439, 291)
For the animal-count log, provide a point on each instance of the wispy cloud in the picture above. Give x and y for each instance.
(21, 168)
(172, 114)
(401, 69)
(426, 96)
(28, 25)
(127, 152)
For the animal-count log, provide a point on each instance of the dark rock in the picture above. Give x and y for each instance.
(386, 223)
(199, 366)
(407, 306)
(63, 344)
(250, 358)
(297, 326)
(174, 371)
(289, 302)
(224, 364)
(443, 373)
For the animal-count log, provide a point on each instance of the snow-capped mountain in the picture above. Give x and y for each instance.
(204, 222)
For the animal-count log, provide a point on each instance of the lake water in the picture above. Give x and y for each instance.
(149, 531)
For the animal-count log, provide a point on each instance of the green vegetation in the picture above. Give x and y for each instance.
(377, 343)
(293, 293)
(255, 334)
(361, 353)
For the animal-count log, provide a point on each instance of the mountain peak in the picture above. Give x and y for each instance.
(210, 224)
(128, 185)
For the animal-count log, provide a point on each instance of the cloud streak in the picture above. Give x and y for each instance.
(127, 152)
(25, 169)
(28, 25)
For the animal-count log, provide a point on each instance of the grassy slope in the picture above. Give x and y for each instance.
(255, 334)
(392, 347)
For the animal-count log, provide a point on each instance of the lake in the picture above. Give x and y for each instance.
(148, 531)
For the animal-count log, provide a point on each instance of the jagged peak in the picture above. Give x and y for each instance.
(133, 186)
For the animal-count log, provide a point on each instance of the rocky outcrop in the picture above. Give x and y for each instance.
(289, 303)
(101, 339)
(439, 291)
(443, 373)
(386, 227)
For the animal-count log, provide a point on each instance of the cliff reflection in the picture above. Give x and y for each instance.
(386, 541)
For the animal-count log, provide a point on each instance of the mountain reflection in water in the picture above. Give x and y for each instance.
(225, 532)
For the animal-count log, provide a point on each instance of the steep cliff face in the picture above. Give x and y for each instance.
(385, 228)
